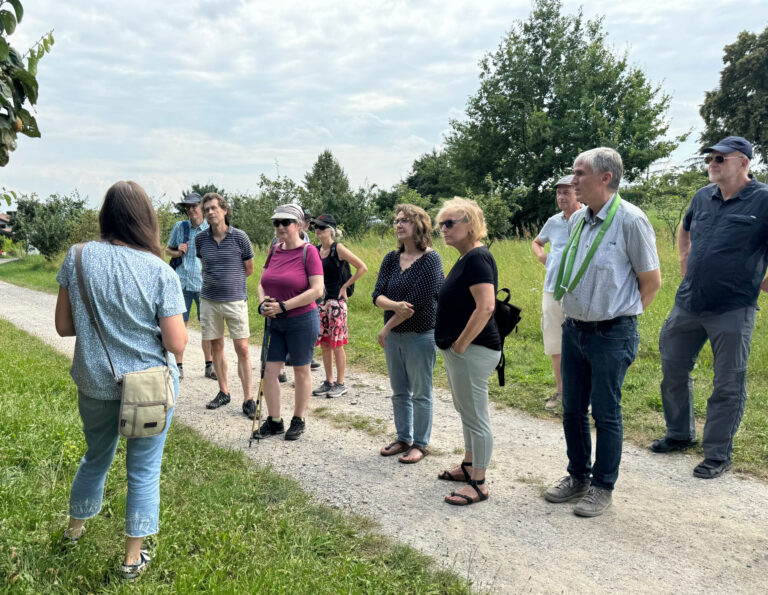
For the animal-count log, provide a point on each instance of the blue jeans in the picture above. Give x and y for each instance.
(143, 459)
(410, 361)
(189, 297)
(595, 358)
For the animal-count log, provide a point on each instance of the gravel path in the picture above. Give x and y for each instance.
(667, 532)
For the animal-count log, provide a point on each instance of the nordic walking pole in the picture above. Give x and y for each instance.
(256, 425)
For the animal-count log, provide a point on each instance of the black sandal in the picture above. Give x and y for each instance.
(469, 500)
(446, 475)
(424, 452)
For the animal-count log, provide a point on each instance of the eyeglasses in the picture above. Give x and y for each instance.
(320, 227)
(717, 158)
(402, 221)
(283, 222)
(449, 223)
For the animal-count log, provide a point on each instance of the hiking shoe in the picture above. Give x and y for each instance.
(221, 399)
(181, 372)
(281, 377)
(249, 408)
(270, 428)
(594, 503)
(131, 571)
(553, 402)
(314, 365)
(296, 429)
(337, 390)
(323, 389)
(568, 488)
(710, 468)
(210, 372)
(665, 444)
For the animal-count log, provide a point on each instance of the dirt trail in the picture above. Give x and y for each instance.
(667, 532)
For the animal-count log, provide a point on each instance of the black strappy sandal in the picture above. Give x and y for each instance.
(446, 475)
(469, 500)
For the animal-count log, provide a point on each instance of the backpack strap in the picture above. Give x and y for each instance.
(269, 255)
(187, 230)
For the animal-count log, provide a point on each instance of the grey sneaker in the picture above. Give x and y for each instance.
(323, 389)
(553, 402)
(568, 488)
(210, 372)
(132, 571)
(594, 503)
(337, 390)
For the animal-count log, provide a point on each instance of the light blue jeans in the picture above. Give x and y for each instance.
(143, 459)
(410, 361)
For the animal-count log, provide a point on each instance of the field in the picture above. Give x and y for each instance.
(529, 374)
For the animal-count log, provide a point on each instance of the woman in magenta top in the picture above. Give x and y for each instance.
(291, 281)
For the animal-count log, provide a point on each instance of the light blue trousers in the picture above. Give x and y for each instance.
(143, 459)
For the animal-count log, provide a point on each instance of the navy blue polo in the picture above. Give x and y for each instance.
(729, 249)
(223, 264)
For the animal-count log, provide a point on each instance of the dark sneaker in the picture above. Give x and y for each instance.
(221, 399)
(337, 390)
(323, 389)
(210, 372)
(710, 468)
(594, 503)
(271, 428)
(281, 377)
(314, 365)
(568, 488)
(665, 444)
(296, 429)
(249, 408)
(181, 372)
(132, 571)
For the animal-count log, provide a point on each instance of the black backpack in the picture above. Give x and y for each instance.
(507, 317)
(344, 270)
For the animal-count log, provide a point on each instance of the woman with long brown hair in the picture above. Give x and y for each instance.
(138, 302)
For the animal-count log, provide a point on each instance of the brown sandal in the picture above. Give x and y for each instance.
(424, 452)
(394, 448)
(446, 475)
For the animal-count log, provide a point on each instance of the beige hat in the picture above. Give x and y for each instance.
(289, 211)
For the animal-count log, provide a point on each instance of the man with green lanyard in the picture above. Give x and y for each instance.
(609, 273)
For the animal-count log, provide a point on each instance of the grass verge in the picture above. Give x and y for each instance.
(354, 421)
(226, 526)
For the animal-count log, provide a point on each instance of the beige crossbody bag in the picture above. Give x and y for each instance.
(147, 395)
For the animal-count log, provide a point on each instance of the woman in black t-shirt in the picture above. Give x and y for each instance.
(406, 289)
(468, 338)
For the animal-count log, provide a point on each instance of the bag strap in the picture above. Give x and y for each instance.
(89, 308)
(187, 230)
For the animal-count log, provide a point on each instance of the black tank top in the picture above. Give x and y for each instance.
(332, 274)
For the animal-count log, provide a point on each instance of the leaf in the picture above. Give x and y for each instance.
(18, 9)
(9, 21)
(32, 65)
(40, 51)
(27, 81)
(28, 124)
(4, 49)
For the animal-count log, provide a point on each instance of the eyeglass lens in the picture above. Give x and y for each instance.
(283, 222)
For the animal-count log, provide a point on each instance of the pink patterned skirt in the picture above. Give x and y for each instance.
(333, 322)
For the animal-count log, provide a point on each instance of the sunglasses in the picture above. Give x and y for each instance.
(283, 222)
(320, 227)
(717, 158)
(449, 223)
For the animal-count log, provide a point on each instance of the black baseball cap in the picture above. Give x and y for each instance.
(327, 220)
(730, 144)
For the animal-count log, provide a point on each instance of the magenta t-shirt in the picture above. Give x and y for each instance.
(286, 277)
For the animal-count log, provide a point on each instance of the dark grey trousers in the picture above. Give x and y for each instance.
(682, 337)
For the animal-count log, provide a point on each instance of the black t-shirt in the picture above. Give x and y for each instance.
(456, 304)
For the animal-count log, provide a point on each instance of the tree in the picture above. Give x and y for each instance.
(739, 104)
(328, 191)
(47, 225)
(434, 177)
(552, 89)
(18, 85)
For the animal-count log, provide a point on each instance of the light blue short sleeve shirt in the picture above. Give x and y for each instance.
(130, 291)
(555, 232)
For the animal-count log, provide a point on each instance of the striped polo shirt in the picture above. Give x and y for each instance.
(224, 264)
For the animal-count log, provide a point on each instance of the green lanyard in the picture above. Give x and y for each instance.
(564, 283)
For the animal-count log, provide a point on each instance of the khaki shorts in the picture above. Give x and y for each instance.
(214, 314)
(551, 323)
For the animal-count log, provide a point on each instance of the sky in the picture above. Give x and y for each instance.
(196, 91)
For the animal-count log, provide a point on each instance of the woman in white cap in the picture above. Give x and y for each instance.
(291, 281)
(333, 306)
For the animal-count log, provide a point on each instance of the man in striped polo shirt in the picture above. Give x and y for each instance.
(227, 257)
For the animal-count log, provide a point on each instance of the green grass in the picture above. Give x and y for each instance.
(529, 373)
(226, 525)
(364, 423)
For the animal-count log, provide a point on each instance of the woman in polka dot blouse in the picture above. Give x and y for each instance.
(407, 289)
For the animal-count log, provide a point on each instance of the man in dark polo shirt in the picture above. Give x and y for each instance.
(227, 258)
(723, 257)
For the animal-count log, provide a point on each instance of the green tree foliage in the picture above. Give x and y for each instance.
(552, 89)
(328, 191)
(383, 201)
(18, 85)
(47, 225)
(739, 104)
(86, 229)
(434, 177)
